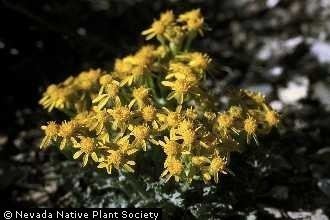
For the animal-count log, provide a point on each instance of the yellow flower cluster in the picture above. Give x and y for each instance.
(155, 99)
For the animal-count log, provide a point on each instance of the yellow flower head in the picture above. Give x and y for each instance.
(118, 160)
(225, 121)
(51, 129)
(171, 147)
(68, 129)
(188, 137)
(271, 117)
(217, 165)
(120, 114)
(167, 17)
(174, 34)
(235, 112)
(180, 88)
(140, 96)
(193, 20)
(173, 168)
(171, 118)
(87, 147)
(250, 125)
(181, 71)
(105, 79)
(191, 113)
(87, 80)
(123, 67)
(148, 113)
(112, 88)
(157, 29)
(199, 62)
(57, 97)
(184, 126)
(140, 132)
(145, 56)
(51, 132)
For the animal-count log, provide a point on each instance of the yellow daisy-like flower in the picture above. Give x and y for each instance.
(170, 119)
(57, 97)
(225, 123)
(181, 71)
(180, 89)
(149, 113)
(107, 93)
(140, 96)
(51, 133)
(167, 17)
(199, 62)
(171, 147)
(141, 134)
(123, 67)
(87, 147)
(250, 127)
(67, 131)
(235, 112)
(175, 35)
(271, 117)
(119, 158)
(157, 30)
(145, 56)
(193, 20)
(216, 165)
(120, 114)
(88, 80)
(98, 120)
(173, 168)
(191, 113)
(187, 132)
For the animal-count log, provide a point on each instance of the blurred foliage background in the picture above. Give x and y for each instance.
(278, 47)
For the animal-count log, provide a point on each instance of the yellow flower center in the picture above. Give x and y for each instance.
(185, 126)
(250, 125)
(182, 85)
(140, 94)
(51, 129)
(188, 136)
(167, 17)
(217, 165)
(148, 113)
(106, 79)
(112, 89)
(115, 158)
(271, 118)
(67, 129)
(141, 132)
(171, 148)
(87, 145)
(121, 113)
(175, 167)
(225, 121)
(173, 118)
(199, 61)
(235, 111)
(158, 27)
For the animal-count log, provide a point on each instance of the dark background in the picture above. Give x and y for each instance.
(43, 42)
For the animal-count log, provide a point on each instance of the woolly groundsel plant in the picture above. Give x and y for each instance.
(156, 98)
